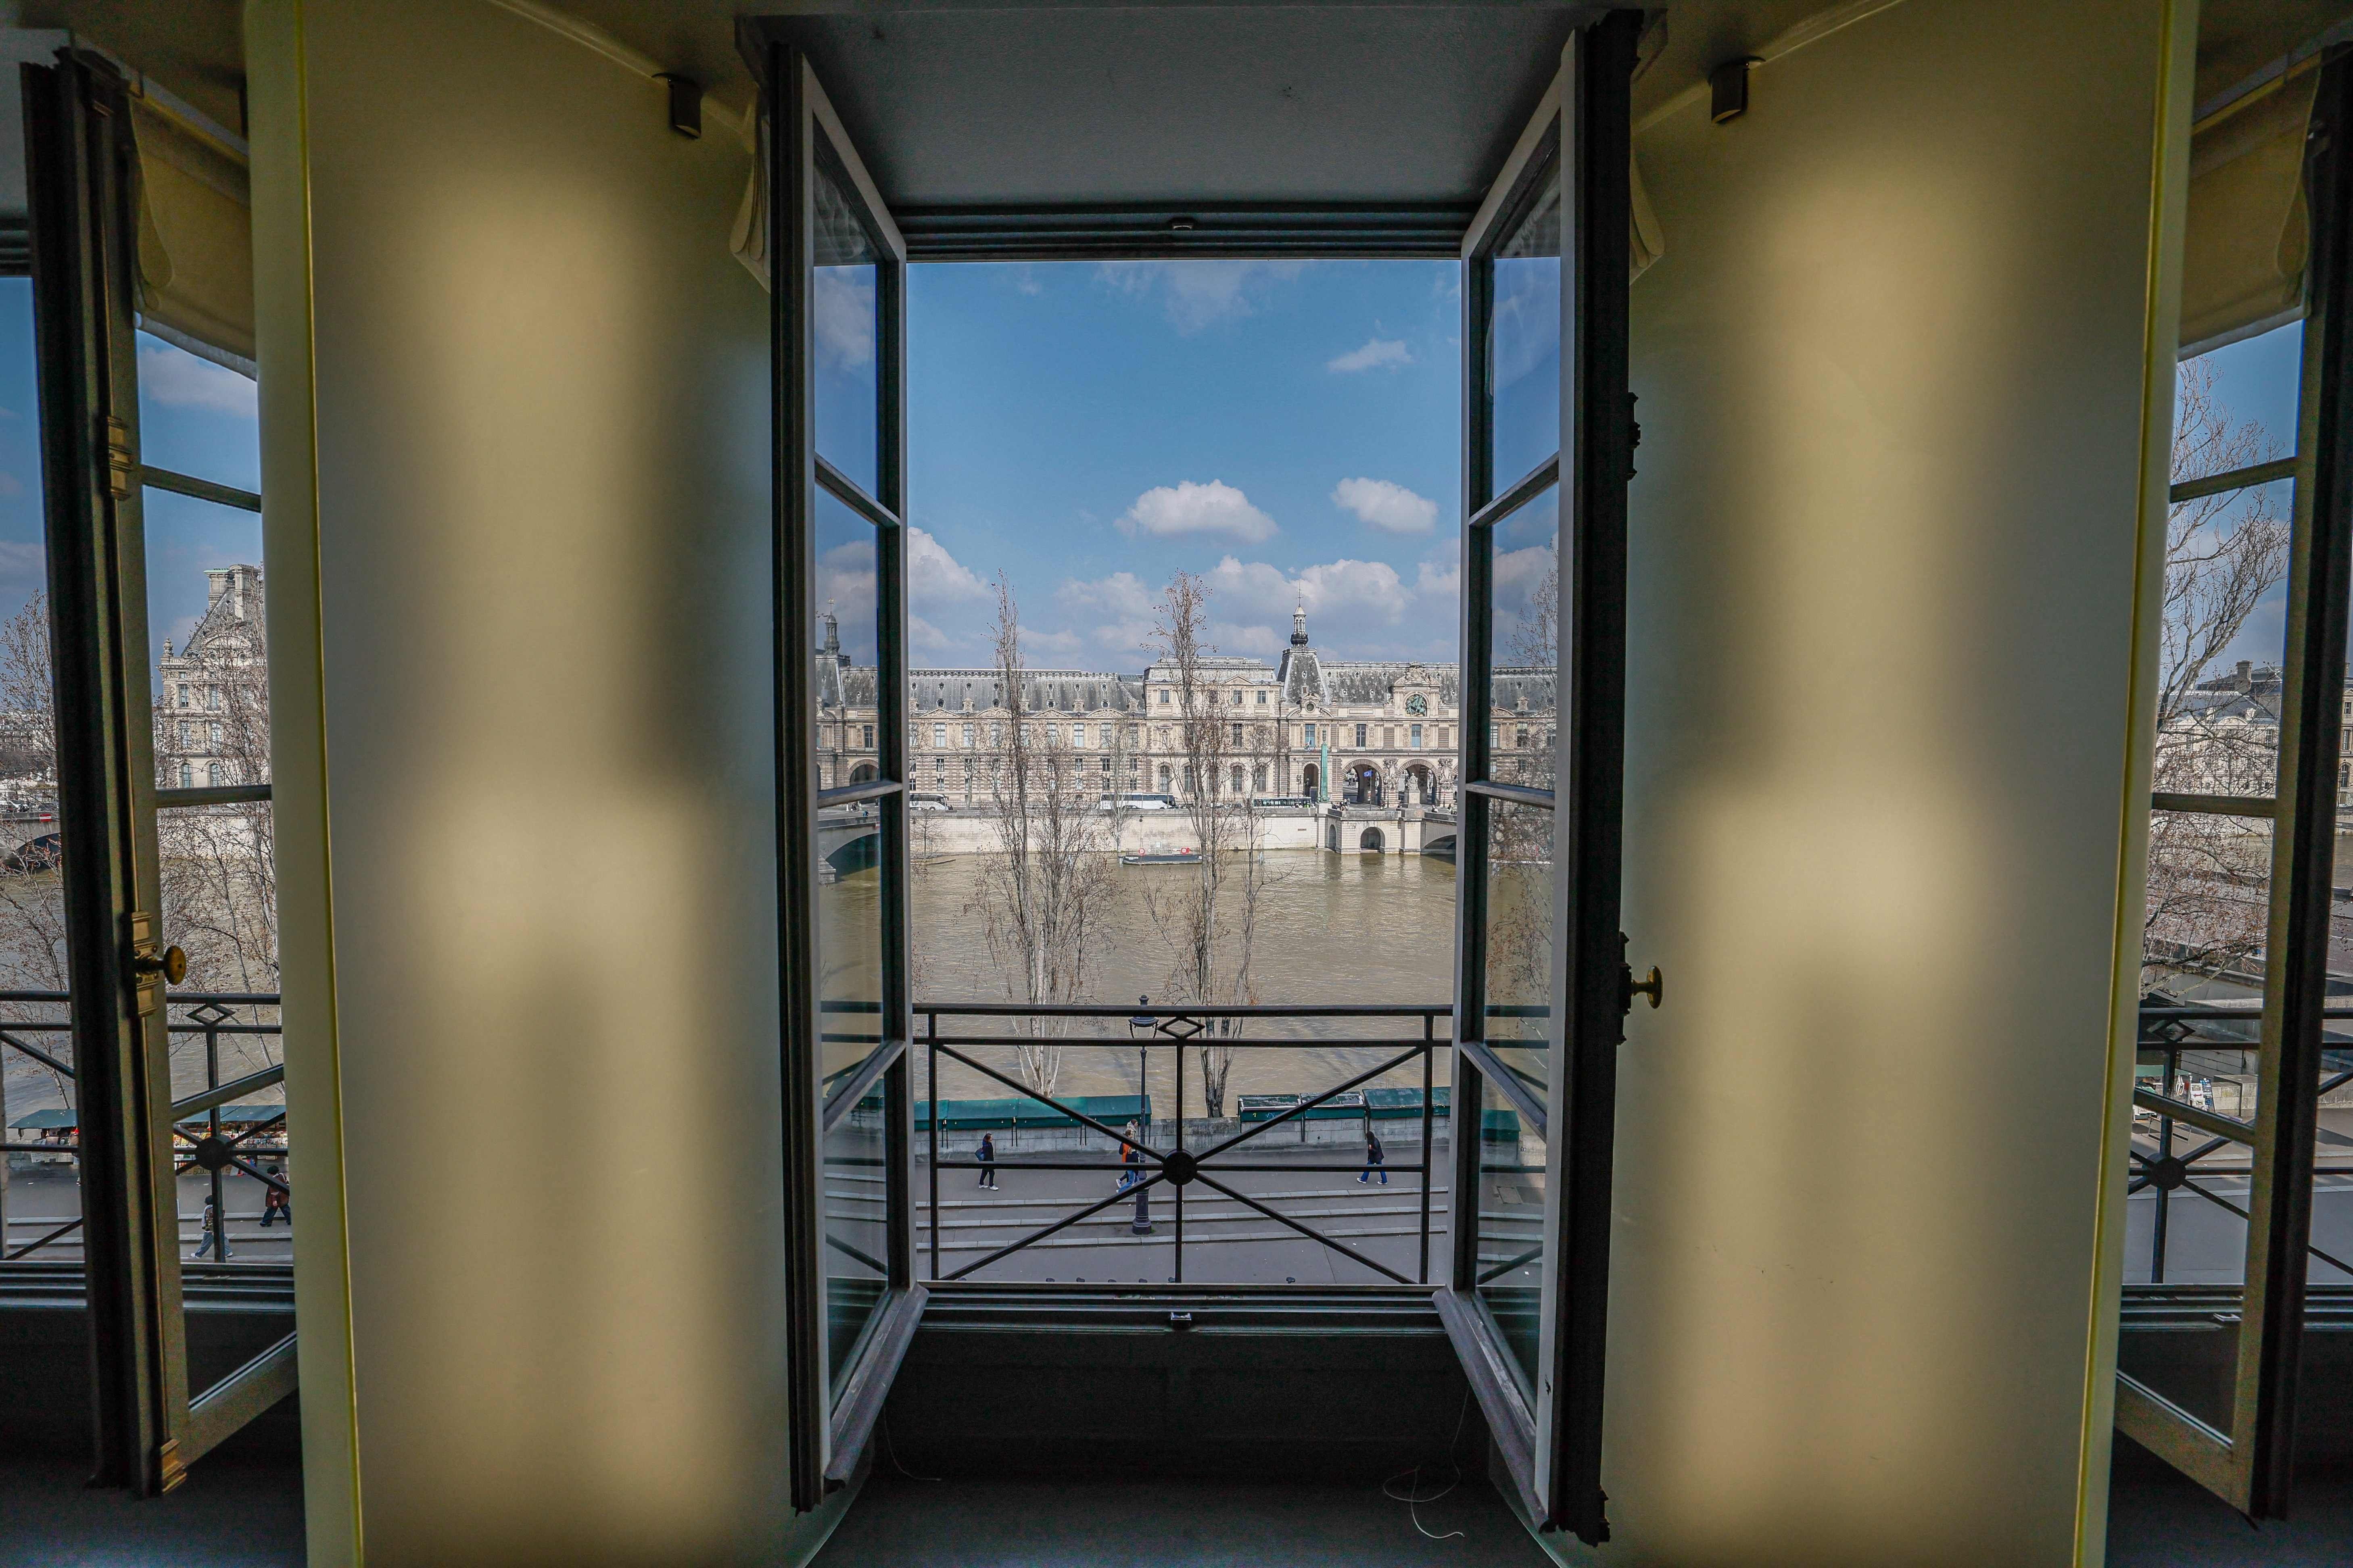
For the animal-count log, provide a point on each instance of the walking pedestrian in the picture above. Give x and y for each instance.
(275, 1202)
(1373, 1159)
(986, 1155)
(215, 1239)
(1134, 1159)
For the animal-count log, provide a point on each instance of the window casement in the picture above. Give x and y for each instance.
(1261, 698)
(1311, 734)
(1413, 738)
(968, 739)
(940, 736)
(1361, 730)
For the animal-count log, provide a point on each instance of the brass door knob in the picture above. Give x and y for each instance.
(171, 963)
(1653, 985)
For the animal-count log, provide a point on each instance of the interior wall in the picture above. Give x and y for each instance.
(515, 400)
(1895, 382)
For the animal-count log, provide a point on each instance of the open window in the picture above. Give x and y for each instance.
(1541, 984)
(838, 284)
(140, 253)
(2241, 1034)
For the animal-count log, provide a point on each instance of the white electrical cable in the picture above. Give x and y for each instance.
(1411, 1496)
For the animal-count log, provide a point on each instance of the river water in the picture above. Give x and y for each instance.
(1330, 928)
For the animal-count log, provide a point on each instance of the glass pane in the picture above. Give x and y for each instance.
(845, 327)
(1511, 1227)
(2202, 949)
(856, 1228)
(850, 835)
(1524, 642)
(198, 417)
(846, 637)
(1519, 939)
(2222, 636)
(40, 1175)
(1524, 338)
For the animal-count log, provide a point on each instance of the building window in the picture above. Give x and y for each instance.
(1491, 737)
(968, 740)
(1239, 785)
(212, 698)
(1258, 777)
(914, 735)
(1261, 698)
(940, 735)
(1311, 734)
(1054, 734)
(1163, 778)
(1238, 728)
(215, 733)
(213, 775)
(867, 740)
(183, 697)
(1413, 738)
(1164, 696)
(1360, 737)
(187, 731)
(1133, 764)
(1106, 767)
(1238, 697)
(188, 776)
(996, 734)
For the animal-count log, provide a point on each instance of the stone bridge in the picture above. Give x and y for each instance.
(29, 841)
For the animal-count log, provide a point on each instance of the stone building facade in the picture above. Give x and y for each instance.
(1378, 732)
(212, 710)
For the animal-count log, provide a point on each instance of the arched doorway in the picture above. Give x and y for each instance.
(1309, 779)
(862, 774)
(1372, 842)
(1363, 784)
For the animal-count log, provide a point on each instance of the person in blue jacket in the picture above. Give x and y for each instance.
(986, 1155)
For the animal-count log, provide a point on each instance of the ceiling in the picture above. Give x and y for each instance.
(975, 103)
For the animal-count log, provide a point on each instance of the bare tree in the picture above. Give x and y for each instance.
(1212, 925)
(1044, 888)
(32, 894)
(2207, 906)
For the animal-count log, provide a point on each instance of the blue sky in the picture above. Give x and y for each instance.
(2256, 380)
(1287, 430)
(195, 418)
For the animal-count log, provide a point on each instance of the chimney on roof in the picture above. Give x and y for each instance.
(2246, 675)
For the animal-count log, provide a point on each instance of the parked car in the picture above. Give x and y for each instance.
(918, 800)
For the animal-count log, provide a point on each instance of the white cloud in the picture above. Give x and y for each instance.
(1122, 592)
(1377, 354)
(922, 634)
(178, 379)
(1228, 638)
(1389, 507)
(1442, 578)
(1199, 294)
(1033, 641)
(1349, 589)
(844, 301)
(933, 573)
(1188, 508)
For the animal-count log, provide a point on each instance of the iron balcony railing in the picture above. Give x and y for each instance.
(2173, 1033)
(1169, 1156)
(210, 1131)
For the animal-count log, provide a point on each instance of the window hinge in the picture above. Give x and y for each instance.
(121, 462)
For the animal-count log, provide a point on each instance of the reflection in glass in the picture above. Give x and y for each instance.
(1511, 1228)
(849, 938)
(2223, 639)
(196, 417)
(1524, 338)
(857, 1232)
(845, 327)
(1519, 938)
(1524, 642)
(845, 638)
(2203, 946)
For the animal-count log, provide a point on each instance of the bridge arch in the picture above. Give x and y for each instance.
(1372, 841)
